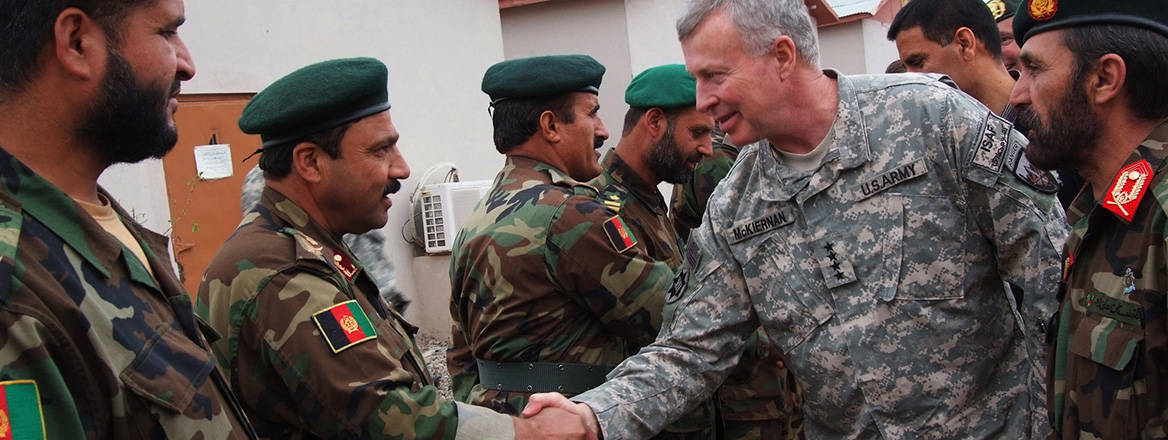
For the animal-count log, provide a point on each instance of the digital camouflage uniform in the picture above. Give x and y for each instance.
(1108, 373)
(536, 278)
(270, 291)
(114, 352)
(879, 275)
(759, 399)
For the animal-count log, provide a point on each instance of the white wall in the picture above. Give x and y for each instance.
(652, 33)
(856, 47)
(436, 51)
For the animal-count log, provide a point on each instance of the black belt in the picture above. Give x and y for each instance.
(541, 377)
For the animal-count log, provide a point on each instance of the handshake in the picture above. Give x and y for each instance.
(553, 416)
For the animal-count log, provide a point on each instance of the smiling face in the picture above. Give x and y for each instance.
(355, 185)
(687, 140)
(740, 90)
(1010, 49)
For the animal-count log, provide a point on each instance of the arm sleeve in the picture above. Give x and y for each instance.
(690, 358)
(624, 289)
(366, 390)
(25, 355)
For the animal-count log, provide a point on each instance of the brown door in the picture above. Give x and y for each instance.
(203, 213)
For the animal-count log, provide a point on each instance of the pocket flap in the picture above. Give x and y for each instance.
(1106, 341)
(168, 370)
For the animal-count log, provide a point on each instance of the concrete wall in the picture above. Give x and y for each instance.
(856, 47)
(436, 51)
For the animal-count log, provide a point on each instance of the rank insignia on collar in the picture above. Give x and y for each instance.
(619, 235)
(20, 410)
(1129, 282)
(1130, 185)
(344, 325)
(347, 268)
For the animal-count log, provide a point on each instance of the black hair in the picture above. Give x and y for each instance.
(940, 19)
(1144, 52)
(516, 120)
(635, 113)
(276, 160)
(27, 25)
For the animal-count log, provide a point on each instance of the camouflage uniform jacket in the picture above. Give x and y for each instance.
(689, 199)
(1109, 373)
(879, 275)
(114, 352)
(270, 292)
(535, 277)
(642, 206)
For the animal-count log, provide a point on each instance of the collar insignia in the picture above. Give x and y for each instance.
(1130, 185)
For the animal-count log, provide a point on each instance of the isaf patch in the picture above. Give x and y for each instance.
(990, 153)
(1033, 177)
(618, 233)
(20, 411)
(344, 325)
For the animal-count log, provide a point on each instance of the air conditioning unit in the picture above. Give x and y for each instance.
(440, 210)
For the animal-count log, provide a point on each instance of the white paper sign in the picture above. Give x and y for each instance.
(213, 161)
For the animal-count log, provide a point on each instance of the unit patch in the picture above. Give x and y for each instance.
(344, 325)
(680, 281)
(20, 411)
(1033, 177)
(750, 228)
(893, 177)
(991, 146)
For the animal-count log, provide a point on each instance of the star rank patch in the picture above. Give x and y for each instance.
(619, 235)
(344, 325)
(20, 411)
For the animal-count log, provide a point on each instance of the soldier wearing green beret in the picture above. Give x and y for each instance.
(1003, 12)
(1092, 90)
(551, 286)
(309, 345)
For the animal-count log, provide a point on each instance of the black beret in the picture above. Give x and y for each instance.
(667, 86)
(1002, 9)
(1037, 16)
(541, 76)
(317, 97)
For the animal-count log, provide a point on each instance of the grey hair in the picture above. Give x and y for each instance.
(759, 22)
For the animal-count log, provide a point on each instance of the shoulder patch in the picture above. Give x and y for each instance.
(344, 325)
(1041, 180)
(990, 151)
(619, 235)
(20, 411)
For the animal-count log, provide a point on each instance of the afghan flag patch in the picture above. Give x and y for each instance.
(344, 325)
(619, 234)
(20, 411)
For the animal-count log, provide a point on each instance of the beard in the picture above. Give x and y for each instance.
(665, 159)
(129, 121)
(1069, 138)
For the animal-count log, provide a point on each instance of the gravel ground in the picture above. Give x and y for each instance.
(434, 352)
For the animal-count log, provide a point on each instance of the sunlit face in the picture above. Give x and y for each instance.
(919, 54)
(356, 185)
(1064, 128)
(738, 89)
(132, 117)
(687, 140)
(1010, 49)
(581, 138)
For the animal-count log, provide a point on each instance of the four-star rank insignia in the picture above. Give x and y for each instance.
(1130, 185)
(20, 411)
(344, 325)
(619, 235)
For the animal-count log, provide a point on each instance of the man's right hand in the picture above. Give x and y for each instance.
(553, 423)
(559, 407)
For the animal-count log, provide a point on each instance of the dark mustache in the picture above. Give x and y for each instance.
(392, 187)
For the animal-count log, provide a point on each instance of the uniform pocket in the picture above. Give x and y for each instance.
(1106, 342)
(168, 370)
(933, 263)
(788, 292)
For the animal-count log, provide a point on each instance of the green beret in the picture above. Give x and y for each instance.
(542, 76)
(316, 97)
(667, 86)
(1002, 9)
(1037, 16)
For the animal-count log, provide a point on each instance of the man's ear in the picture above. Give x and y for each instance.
(548, 127)
(966, 43)
(308, 161)
(785, 55)
(79, 44)
(1106, 80)
(655, 122)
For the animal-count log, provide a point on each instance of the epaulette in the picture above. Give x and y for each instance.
(613, 198)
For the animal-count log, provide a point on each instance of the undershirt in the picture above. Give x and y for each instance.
(105, 216)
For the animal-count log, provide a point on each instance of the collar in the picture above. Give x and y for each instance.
(313, 242)
(618, 172)
(554, 175)
(847, 137)
(1143, 168)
